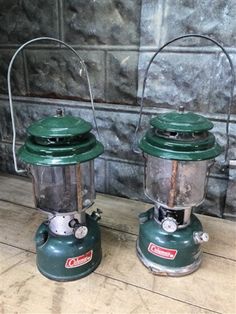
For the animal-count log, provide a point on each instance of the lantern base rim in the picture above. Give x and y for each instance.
(161, 270)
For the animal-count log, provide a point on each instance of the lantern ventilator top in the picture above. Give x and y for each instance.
(60, 140)
(180, 136)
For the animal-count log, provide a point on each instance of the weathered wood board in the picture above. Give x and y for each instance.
(24, 290)
(120, 284)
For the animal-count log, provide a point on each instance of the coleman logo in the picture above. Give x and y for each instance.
(161, 251)
(77, 261)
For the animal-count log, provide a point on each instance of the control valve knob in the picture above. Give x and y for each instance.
(169, 224)
(80, 231)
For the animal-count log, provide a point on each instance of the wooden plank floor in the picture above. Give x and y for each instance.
(120, 284)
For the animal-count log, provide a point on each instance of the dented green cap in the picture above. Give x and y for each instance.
(59, 126)
(181, 122)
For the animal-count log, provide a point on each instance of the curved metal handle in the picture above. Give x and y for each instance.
(231, 86)
(10, 92)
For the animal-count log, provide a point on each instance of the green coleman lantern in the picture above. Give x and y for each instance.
(60, 151)
(178, 149)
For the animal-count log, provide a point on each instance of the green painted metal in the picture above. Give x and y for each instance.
(191, 140)
(60, 140)
(53, 252)
(181, 240)
(59, 126)
(181, 122)
(170, 148)
(85, 150)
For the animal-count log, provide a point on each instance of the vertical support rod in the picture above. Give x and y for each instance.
(173, 184)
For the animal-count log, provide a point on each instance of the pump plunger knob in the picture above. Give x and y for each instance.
(200, 237)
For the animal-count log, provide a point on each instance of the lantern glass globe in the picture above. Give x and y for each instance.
(64, 189)
(175, 184)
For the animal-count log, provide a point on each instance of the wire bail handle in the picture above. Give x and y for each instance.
(10, 92)
(232, 73)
